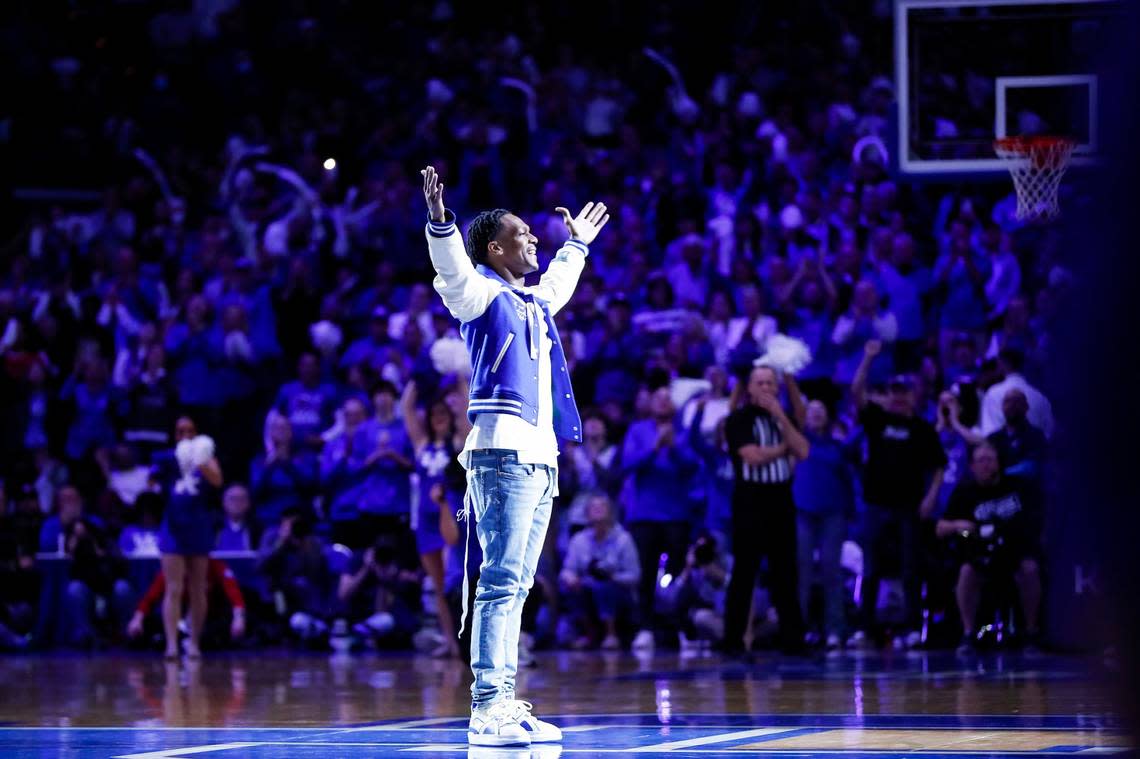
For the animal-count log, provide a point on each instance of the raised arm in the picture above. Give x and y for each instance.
(796, 399)
(561, 277)
(859, 382)
(412, 423)
(785, 294)
(465, 292)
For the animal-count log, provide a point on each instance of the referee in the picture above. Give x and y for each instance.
(763, 443)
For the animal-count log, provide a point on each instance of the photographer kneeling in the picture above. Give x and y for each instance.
(993, 522)
(599, 577)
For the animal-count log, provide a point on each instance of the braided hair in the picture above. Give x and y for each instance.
(483, 228)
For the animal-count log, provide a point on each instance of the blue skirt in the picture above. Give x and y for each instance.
(186, 534)
(428, 537)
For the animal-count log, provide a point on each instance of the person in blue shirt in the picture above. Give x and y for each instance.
(907, 284)
(961, 273)
(194, 355)
(97, 406)
(239, 531)
(371, 349)
(307, 403)
(191, 479)
(68, 511)
(719, 478)
(660, 467)
(614, 354)
(813, 299)
(281, 478)
(824, 492)
(385, 498)
(343, 470)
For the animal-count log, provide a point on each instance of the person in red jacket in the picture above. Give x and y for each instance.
(219, 577)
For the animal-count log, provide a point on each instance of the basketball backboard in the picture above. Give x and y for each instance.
(969, 71)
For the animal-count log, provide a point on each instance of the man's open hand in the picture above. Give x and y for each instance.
(433, 193)
(589, 222)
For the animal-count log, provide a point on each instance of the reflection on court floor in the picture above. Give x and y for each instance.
(643, 735)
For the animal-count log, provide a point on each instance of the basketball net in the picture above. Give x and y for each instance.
(1037, 165)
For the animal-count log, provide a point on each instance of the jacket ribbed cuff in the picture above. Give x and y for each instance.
(444, 228)
(579, 246)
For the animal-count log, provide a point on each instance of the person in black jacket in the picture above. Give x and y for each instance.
(993, 522)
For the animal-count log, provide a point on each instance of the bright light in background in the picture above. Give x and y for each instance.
(330, 164)
(666, 579)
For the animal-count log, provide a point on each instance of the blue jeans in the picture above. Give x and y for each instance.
(600, 600)
(512, 503)
(826, 532)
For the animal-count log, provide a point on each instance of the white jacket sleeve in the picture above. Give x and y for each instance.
(992, 416)
(561, 277)
(465, 292)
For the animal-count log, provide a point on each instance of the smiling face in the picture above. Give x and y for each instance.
(514, 249)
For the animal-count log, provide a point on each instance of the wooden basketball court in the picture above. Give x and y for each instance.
(288, 704)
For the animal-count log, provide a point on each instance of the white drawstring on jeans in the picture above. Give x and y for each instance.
(461, 517)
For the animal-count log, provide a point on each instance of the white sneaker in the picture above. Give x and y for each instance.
(643, 641)
(497, 725)
(611, 643)
(539, 731)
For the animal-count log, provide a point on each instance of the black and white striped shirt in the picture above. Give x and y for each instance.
(753, 425)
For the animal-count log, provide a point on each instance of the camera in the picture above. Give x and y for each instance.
(983, 548)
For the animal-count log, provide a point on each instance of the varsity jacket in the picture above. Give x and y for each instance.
(499, 324)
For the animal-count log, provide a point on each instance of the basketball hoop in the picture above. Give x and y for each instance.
(1037, 165)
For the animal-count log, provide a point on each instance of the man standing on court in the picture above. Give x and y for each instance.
(763, 443)
(520, 400)
(903, 474)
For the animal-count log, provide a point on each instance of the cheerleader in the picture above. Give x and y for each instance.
(190, 478)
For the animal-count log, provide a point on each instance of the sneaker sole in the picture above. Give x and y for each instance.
(476, 739)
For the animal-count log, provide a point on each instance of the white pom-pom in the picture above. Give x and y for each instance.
(326, 336)
(184, 453)
(202, 449)
(449, 356)
(788, 355)
(683, 389)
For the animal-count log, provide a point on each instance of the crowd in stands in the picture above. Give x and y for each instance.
(255, 266)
